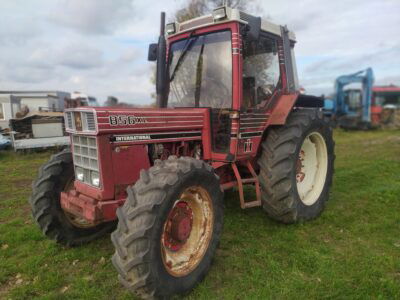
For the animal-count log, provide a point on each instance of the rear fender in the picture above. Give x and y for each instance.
(286, 103)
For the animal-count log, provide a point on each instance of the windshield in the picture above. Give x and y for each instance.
(200, 71)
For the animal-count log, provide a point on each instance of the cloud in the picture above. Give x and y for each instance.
(73, 55)
(342, 37)
(92, 16)
(36, 75)
(100, 47)
(18, 34)
(17, 28)
(79, 57)
(129, 55)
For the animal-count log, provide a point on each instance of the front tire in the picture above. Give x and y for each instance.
(56, 176)
(168, 228)
(296, 167)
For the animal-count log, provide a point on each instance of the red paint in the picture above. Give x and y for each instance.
(381, 89)
(376, 112)
(120, 161)
(128, 161)
(178, 226)
(282, 109)
(92, 210)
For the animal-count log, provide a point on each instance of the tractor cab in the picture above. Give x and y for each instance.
(353, 101)
(235, 65)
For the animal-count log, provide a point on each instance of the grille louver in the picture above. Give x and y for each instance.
(89, 122)
(69, 120)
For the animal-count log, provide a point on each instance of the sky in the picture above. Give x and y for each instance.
(99, 47)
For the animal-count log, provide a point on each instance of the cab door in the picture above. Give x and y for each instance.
(261, 84)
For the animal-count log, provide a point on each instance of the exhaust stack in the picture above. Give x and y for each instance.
(162, 81)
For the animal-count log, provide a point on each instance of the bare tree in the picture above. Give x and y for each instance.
(111, 101)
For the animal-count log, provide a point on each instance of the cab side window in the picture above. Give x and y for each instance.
(260, 71)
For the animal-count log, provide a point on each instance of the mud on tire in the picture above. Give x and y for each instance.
(279, 167)
(139, 239)
(52, 179)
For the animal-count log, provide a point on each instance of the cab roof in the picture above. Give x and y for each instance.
(232, 14)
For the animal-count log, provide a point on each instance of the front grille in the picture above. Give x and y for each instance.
(85, 155)
(87, 117)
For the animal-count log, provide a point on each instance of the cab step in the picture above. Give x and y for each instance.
(242, 181)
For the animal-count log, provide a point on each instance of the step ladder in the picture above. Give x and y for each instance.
(251, 180)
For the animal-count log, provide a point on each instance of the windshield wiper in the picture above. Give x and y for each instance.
(199, 77)
(189, 41)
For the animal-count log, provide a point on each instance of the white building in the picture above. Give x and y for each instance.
(12, 101)
(9, 106)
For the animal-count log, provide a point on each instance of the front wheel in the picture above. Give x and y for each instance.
(168, 228)
(296, 167)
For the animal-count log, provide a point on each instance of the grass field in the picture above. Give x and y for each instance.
(351, 252)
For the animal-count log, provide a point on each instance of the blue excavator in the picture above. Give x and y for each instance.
(350, 108)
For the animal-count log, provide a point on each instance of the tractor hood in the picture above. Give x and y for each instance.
(136, 124)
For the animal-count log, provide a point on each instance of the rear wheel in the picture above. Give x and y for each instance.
(168, 228)
(57, 176)
(296, 167)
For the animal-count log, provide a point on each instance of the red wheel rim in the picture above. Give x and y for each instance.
(178, 226)
(187, 231)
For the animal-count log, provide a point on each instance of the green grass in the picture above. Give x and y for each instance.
(351, 252)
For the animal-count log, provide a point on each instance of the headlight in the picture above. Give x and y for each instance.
(219, 13)
(79, 174)
(95, 178)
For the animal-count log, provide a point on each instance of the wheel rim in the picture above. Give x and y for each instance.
(187, 231)
(311, 169)
(76, 220)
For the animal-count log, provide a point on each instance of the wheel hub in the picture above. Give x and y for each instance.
(187, 231)
(179, 226)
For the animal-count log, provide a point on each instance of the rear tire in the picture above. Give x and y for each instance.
(288, 195)
(144, 258)
(53, 178)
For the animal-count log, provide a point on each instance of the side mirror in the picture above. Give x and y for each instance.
(152, 55)
(254, 28)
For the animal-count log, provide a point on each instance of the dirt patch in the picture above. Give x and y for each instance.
(21, 183)
(5, 288)
(390, 139)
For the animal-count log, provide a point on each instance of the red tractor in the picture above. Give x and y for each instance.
(229, 114)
